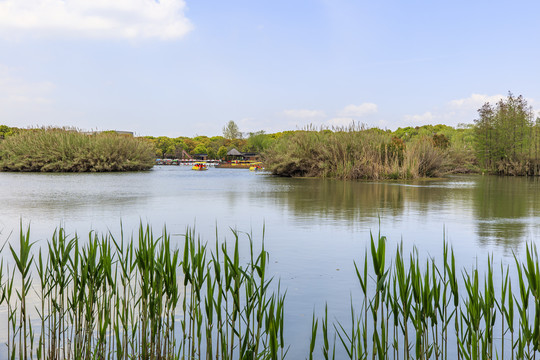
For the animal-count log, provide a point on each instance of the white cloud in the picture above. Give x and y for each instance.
(304, 113)
(475, 101)
(124, 19)
(358, 110)
(427, 116)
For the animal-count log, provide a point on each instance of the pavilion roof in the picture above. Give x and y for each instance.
(234, 152)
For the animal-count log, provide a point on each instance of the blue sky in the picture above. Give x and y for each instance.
(185, 68)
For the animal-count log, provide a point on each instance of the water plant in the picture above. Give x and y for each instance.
(139, 297)
(120, 298)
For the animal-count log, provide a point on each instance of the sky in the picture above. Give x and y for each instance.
(187, 67)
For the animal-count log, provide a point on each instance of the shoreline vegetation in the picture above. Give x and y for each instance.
(356, 153)
(504, 140)
(141, 297)
(69, 150)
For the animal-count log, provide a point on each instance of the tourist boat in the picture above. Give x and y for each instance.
(256, 166)
(199, 166)
(236, 164)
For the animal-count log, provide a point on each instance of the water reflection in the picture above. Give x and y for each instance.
(495, 212)
(502, 206)
(503, 210)
(315, 228)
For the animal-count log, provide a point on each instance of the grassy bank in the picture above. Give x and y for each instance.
(354, 153)
(142, 298)
(63, 150)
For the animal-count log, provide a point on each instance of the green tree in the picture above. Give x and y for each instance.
(505, 139)
(200, 149)
(258, 141)
(231, 131)
(222, 152)
(165, 146)
(5, 131)
(211, 153)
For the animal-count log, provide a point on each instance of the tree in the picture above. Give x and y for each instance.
(222, 152)
(211, 153)
(258, 141)
(200, 149)
(5, 131)
(231, 131)
(504, 136)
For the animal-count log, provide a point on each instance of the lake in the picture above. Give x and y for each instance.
(313, 228)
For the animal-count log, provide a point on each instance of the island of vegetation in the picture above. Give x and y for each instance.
(69, 150)
(503, 140)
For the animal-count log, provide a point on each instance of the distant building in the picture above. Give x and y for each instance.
(234, 154)
(126, 133)
(119, 132)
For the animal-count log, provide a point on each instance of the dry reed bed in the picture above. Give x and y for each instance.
(139, 298)
(65, 150)
(353, 153)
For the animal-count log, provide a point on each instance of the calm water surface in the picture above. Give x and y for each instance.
(314, 228)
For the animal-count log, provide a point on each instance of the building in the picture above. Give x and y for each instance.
(234, 154)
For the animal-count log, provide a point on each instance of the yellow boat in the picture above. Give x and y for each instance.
(199, 166)
(256, 166)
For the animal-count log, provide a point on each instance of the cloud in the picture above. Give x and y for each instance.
(358, 110)
(304, 113)
(427, 116)
(475, 101)
(123, 19)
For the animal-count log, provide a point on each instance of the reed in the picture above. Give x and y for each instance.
(351, 153)
(67, 150)
(139, 297)
(122, 298)
(410, 308)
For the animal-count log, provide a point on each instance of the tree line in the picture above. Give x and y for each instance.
(504, 139)
(507, 137)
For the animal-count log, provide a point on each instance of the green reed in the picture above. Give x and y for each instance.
(141, 298)
(407, 308)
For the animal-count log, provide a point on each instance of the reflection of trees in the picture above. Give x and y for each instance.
(356, 200)
(500, 204)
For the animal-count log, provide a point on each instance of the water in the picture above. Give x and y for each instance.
(314, 228)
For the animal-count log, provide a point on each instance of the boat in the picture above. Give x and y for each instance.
(199, 166)
(256, 166)
(236, 164)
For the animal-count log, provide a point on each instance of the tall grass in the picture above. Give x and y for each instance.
(139, 297)
(419, 309)
(65, 150)
(353, 153)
